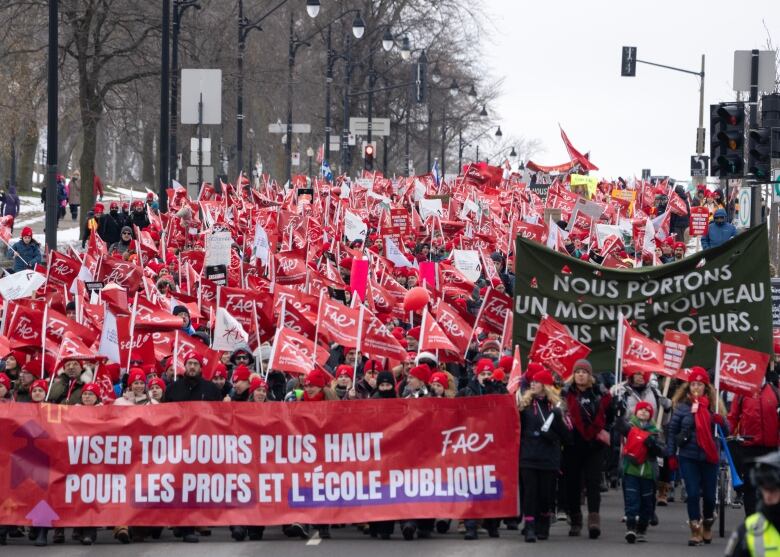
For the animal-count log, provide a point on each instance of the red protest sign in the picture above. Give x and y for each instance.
(675, 345)
(700, 217)
(740, 370)
(274, 464)
(640, 353)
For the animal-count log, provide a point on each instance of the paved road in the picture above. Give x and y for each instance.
(666, 540)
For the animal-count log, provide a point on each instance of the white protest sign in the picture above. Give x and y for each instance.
(430, 207)
(21, 284)
(218, 245)
(228, 332)
(467, 262)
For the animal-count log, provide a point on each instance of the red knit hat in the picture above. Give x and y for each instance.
(441, 379)
(192, 355)
(532, 369)
(27, 231)
(421, 372)
(315, 378)
(498, 374)
(241, 373)
(344, 371)
(506, 363)
(257, 383)
(39, 384)
(414, 333)
(544, 377)
(643, 405)
(136, 374)
(220, 370)
(699, 374)
(484, 364)
(372, 365)
(158, 381)
(93, 388)
(5, 381)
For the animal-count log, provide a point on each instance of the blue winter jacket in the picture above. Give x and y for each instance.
(682, 427)
(718, 234)
(31, 253)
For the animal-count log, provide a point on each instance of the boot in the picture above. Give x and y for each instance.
(3, 534)
(696, 538)
(530, 531)
(662, 498)
(641, 532)
(543, 527)
(256, 533)
(88, 536)
(41, 540)
(594, 525)
(575, 525)
(442, 526)
(122, 534)
(59, 535)
(471, 530)
(324, 531)
(238, 533)
(408, 529)
(706, 530)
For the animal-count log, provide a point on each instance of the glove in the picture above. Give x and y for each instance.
(673, 464)
(718, 419)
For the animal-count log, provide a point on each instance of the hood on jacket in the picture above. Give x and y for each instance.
(720, 213)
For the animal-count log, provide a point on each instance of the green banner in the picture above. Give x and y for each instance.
(719, 294)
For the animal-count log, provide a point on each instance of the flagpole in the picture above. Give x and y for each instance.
(175, 353)
(717, 378)
(357, 349)
(5, 317)
(258, 363)
(619, 348)
(317, 332)
(476, 322)
(132, 330)
(422, 329)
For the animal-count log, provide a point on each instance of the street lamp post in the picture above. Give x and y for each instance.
(310, 154)
(179, 7)
(51, 128)
(164, 166)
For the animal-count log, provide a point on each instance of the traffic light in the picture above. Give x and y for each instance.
(368, 157)
(759, 158)
(420, 80)
(727, 139)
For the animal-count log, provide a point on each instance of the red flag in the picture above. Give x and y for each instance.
(740, 370)
(298, 321)
(640, 354)
(103, 380)
(675, 345)
(126, 274)
(291, 266)
(293, 353)
(63, 268)
(516, 375)
(555, 348)
(208, 358)
(432, 337)
(157, 320)
(71, 348)
(455, 327)
(338, 323)
(378, 341)
(492, 315)
(575, 155)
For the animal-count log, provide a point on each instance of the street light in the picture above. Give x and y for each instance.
(472, 94)
(454, 88)
(310, 154)
(499, 134)
(387, 40)
(406, 49)
(484, 113)
(358, 26)
(513, 153)
(313, 8)
(436, 74)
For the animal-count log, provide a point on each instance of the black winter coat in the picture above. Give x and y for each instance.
(541, 450)
(185, 389)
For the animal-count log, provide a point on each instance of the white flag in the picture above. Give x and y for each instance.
(648, 242)
(354, 227)
(394, 254)
(260, 246)
(22, 284)
(109, 338)
(84, 276)
(177, 185)
(228, 332)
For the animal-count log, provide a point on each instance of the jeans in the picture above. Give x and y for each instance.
(639, 500)
(582, 465)
(701, 480)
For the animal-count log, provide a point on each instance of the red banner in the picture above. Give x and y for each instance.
(640, 353)
(101, 466)
(740, 370)
(554, 347)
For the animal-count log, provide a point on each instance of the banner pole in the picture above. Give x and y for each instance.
(717, 377)
(316, 332)
(357, 350)
(619, 348)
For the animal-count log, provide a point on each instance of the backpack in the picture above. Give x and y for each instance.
(634, 446)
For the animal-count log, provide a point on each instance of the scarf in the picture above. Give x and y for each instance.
(590, 425)
(704, 430)
(316, 398)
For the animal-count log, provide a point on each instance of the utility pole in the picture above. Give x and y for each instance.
(51, 129)
(164, 108)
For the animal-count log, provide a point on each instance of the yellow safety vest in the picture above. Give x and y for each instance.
(763, 539)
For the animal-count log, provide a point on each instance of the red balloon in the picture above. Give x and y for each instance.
(335, 192)
(416, 299)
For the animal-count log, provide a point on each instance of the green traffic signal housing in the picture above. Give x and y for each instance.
(727, 139)
(759, 155)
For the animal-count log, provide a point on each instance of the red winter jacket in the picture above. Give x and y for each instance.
(757, 417)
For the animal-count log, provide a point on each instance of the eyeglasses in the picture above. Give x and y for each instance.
(126, 234)
(242, 357)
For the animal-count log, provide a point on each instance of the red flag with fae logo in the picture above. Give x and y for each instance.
(378, 340)
(455, 327)
(293, 353)
(640, 354)
(432, 337)
(555, 348)
(338, 323)
(739, 370)
(516, 375)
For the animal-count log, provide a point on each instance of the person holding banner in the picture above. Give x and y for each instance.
(70, 381)
(590, 408)
(755, 418)
(542, 434)
(135, 394)
(26, 252)
(692, 447)
(759, 535)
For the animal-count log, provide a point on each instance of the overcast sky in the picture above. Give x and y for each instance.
(561, 64)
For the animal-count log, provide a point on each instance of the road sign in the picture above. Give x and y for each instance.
(766, 70)
(206, 144)
(699, 166)
(745, 200)
(296, 159)
(282, 128)
(379, 126)
(193, 187)
(197, 85)
(195, 160)
(628, 62)
(646, 173)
